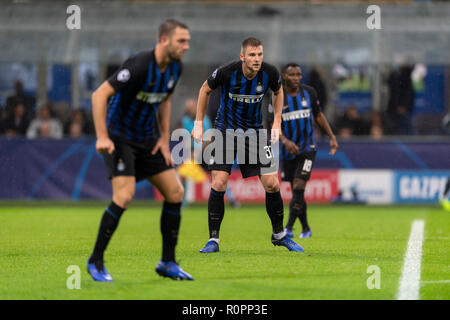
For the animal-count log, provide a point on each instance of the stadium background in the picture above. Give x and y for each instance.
(62, 67)
(54, 191)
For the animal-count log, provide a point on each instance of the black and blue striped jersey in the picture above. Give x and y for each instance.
(297, 120)
(139, 87)
(241, 99)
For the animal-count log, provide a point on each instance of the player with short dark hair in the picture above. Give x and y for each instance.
(244, 84)
(133, 137)
(298, 150)
(168, 27)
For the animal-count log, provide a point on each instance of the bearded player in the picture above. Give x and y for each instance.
(131, 113)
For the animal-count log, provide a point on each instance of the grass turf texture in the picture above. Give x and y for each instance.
(38, 241)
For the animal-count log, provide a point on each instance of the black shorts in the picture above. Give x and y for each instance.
(132, 160)
(258, 155)
(300, 167)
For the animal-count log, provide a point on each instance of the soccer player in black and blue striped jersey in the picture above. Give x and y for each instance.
(131, 113)
(244, 83)
(298, 150)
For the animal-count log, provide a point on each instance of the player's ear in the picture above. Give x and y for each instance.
(164, 39)
(241, 56)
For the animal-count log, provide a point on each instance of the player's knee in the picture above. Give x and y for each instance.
(123, 199)
(219, 184)
(175, 195)
(272, 185)
(299, 184)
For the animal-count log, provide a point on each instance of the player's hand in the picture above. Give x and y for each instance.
(275, 132)
(104, 146)
(291, 147)
(333, 146)
(197, 132)
(163, 146)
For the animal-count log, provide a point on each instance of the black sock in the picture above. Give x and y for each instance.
(298, 197)
(274, 207)
(216, 211)
(294, 211)
(170, 225)
(108, 225)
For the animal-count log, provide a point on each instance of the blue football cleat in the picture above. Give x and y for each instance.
(102, 275)
(211, 246)
(289, 233)
(288, 243)
(305, 234)
(171, 270)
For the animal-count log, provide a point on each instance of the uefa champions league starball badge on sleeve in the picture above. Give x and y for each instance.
(170, 83)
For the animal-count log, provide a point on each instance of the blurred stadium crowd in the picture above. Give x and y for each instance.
(20, 116)
(373, 84)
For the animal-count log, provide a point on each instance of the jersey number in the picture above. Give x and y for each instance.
(269, 154)
(307, 165)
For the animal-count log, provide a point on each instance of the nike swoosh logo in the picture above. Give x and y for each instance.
(285, 107)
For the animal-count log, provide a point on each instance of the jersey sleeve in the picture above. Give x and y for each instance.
(216, 78)
(315, 103)
(130, 73)
(274, 79)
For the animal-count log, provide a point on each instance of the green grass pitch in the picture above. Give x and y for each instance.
(39, 241)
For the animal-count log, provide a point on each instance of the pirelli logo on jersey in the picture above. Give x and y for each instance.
(246, 98)
(151, 97)
(298, 114)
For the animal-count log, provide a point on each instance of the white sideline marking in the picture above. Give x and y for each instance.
(436, 281)
(410, 279)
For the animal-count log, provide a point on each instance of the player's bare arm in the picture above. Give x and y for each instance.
(277, 107)
(163, 120)
(99, 101)
(202, 104)
(323, 123)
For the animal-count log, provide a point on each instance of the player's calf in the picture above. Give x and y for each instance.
(108, 224)
(170, 225)
(275, 210)
(110, 221)
(298, 208)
